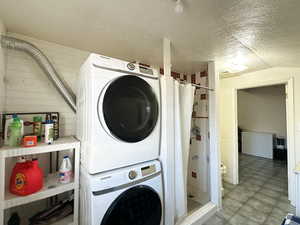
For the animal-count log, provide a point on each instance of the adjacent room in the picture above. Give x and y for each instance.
(262, 165)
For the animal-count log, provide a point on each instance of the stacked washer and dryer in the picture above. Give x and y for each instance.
(118, 123)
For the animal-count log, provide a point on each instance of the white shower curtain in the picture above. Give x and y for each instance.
(183, 108)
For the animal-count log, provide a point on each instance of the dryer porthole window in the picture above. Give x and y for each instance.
(130, 108)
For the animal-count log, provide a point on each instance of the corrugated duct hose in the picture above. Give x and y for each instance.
(45, 64)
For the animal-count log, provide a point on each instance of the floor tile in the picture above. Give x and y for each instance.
(261, 206)
(265, 198)
(284, 206)
(284, 198)
(241, 220)
(225, 213)
(277, 183)
(278, 213)
(274, 187)
(192, 205)
(215, 220)
(228, 185)
(255, 181)
(251, 186)
(261, 178)
(273, 221)
(270, 193)
(240, 195)
(254, 214)
(232, 204)
(226, 191)
(261, 198)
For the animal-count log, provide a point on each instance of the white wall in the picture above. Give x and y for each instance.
(263, 109)
(28, 88)
(2, 73)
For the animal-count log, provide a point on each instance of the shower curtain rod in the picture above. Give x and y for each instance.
(197, 85)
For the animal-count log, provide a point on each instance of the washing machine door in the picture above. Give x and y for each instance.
(129, 108)
(139, 205)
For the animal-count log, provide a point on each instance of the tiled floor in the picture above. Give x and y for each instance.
(260, 198)
(192, 205)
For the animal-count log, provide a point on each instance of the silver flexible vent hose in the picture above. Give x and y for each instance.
(45, 64)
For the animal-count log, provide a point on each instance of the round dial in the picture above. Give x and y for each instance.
(131, 66)
(132, 174)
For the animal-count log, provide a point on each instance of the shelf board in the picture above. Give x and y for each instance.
(51, 188)
(62, 143)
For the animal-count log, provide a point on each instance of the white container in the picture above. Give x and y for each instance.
(65, 171)
(49, 132)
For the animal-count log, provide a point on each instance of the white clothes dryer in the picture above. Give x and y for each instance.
(127, 196)
(118, 114)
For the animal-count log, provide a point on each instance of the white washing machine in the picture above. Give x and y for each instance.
(127, 196)
(118, 113)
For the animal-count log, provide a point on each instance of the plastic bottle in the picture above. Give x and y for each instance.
(37, 127)
(14, 132)
(7, 131)
(49, 132)
(26, 178)
(65, 171)
(54, 118)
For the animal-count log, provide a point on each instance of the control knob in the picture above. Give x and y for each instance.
(132, 175)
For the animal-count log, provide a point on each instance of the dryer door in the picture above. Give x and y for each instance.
(129, 108)
(139, 205)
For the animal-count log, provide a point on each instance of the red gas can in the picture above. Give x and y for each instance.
(27, 178)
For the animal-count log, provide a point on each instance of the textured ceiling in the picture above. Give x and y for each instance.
(256, 33)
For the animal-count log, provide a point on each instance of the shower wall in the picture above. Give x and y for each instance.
(198, 174)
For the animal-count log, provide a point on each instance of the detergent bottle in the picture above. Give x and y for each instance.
(26, 178)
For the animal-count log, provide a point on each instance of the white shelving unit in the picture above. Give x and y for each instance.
(51, 185)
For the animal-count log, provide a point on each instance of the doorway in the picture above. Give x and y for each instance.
(261, 194)
(290, 145)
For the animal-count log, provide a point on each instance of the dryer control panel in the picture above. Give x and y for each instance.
(105, 62)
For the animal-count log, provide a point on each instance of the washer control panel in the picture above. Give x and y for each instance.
(147, 170)
(122, 176)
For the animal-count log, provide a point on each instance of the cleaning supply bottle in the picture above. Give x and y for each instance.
(65, 171)
(49, 132)
(35, 176)
(8, 121)
(27, 177)
(17, 178)
(54, 118)
(14, 132)
(37, 127)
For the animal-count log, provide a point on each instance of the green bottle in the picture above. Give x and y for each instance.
(15, 133)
